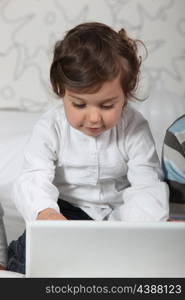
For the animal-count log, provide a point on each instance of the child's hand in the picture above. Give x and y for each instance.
(50, 214)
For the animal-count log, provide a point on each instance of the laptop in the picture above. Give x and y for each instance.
(94, 249)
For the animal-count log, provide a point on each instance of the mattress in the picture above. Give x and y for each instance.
(15, 129)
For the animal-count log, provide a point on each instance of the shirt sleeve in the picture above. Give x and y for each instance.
(147, 197)
(34, 189)
(173, 162)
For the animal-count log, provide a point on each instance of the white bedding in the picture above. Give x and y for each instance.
(15, 128)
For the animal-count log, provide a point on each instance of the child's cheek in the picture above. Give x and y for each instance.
(114, 117)
(77, 117)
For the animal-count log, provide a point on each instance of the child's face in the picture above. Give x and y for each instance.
(94, 113)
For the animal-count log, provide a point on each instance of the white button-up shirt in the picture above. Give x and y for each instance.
(114, 176)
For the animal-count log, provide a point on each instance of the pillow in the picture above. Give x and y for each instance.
(161, 109)
(15, 128)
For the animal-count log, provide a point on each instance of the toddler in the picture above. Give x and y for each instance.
(92, 156)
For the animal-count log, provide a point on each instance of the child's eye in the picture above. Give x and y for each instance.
(107, 106)
(78, 105)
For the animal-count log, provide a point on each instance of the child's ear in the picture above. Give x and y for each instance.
(58, 89)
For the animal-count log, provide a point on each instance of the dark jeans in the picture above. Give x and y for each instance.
(17, 249)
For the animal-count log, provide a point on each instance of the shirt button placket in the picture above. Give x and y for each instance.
(94, 156)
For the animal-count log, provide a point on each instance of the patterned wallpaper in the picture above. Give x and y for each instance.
(29, 29)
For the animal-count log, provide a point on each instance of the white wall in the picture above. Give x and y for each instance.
(29, 29)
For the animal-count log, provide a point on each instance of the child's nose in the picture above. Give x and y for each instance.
(94, 115)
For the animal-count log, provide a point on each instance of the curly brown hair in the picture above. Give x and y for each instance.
(92, 53)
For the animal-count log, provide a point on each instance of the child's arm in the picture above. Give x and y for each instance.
(34, 190)
(147, 197)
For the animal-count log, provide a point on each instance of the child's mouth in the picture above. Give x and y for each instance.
(94, 129)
